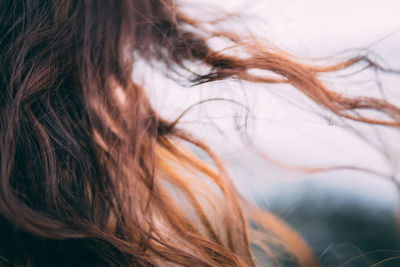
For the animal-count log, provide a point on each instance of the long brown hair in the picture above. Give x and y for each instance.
(91, 175)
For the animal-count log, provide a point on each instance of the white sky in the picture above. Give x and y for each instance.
(306, 28)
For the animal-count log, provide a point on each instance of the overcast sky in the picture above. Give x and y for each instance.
(310, 28)
(322, 26)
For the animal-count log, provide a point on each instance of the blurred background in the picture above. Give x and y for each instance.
(348, 216)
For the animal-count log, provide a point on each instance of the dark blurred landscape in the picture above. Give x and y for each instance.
(342, 232)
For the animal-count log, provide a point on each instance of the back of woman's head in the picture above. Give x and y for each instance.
(90, 174)
(84, 159)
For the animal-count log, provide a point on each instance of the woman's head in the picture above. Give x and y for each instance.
(91, 175)
(87, 167)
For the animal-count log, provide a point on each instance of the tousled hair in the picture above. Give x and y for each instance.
(91, 175)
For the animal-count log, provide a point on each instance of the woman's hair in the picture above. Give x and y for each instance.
(91, 175)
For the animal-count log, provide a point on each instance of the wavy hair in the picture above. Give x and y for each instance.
(91, 175)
